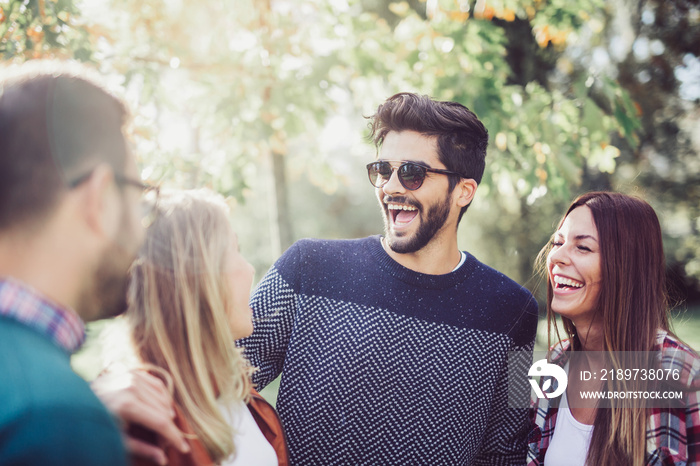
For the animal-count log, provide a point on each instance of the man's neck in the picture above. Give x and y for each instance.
(41, 264)
(436, 258)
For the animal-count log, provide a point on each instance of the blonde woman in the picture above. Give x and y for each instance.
(188, 303)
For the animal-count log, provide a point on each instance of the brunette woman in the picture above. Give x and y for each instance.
(606, 280)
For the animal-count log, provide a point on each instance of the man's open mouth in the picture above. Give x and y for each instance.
(401, 214)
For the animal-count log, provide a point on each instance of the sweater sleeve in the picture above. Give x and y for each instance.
(505, 439)
(274, 303)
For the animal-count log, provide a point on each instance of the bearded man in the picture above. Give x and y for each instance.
(394, 347)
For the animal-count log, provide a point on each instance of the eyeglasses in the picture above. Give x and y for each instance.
(149, 197)
(411, 174)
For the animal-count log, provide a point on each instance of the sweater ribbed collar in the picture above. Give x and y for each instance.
(423, 280)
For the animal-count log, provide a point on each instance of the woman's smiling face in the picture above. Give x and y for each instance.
(573, 266)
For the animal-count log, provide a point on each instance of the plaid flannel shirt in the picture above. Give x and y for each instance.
(673, 434)
(27, 306)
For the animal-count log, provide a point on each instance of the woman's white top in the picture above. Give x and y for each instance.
(252, 448)
(571, 439)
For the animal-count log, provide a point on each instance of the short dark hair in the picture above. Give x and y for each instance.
(56, 125)
(461, 138)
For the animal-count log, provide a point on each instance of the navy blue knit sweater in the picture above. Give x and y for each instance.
(384, 365)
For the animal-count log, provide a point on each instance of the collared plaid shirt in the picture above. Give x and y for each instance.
(673, 434)
(25, 305)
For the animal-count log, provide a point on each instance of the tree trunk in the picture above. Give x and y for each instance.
(280, 222)
(526, 262)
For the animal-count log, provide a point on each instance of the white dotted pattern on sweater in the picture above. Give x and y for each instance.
(363, 385)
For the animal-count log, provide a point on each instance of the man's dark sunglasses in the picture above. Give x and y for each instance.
(411, 174)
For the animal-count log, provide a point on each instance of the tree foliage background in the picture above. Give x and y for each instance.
(265, 101)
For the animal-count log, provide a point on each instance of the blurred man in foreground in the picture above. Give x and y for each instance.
(71, 222)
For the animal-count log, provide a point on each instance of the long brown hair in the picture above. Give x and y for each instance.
(632, 307)
(177, 315)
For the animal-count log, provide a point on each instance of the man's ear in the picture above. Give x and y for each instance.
(465, 191)
(99, 201)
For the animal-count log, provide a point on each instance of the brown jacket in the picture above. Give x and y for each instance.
(264, 414)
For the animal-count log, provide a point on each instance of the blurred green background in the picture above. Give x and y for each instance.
(264, 101)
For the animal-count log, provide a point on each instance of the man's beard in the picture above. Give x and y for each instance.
(112, 281)
(435, 219)
(106, 294)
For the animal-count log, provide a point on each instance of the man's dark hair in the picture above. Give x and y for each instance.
(56, 125)
(461, 138)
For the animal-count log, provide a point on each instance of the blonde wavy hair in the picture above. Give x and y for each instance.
(177, 316)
